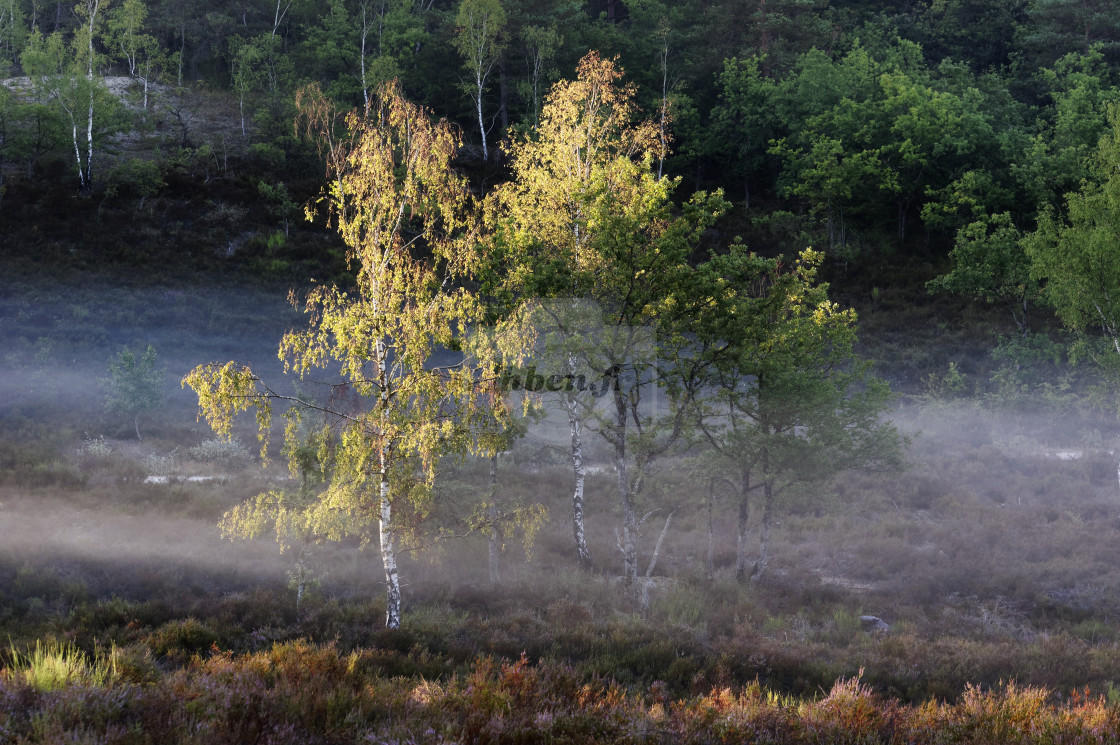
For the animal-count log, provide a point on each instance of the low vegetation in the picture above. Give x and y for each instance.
(300, 692)
(118, 634)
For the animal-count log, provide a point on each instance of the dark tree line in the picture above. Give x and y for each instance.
(864, 126)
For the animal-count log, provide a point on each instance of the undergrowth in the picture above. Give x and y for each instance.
(302, 692)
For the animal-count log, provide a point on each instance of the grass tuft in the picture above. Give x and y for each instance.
(53, 666)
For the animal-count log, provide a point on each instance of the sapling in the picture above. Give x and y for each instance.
(135, 386)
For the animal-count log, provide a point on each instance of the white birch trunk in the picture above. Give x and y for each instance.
(647, 581)
(87, 181)
(77, 151)
(301, 576)
(278, 18)
(480, 82)
(537, 62)
(580, 472)
(89, 137)
(389, 557)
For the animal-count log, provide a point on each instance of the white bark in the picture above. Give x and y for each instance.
(89, 138)
(301, 575)
(69, 106)
(481, 52)
(388, 546)
(537, 62)
(241, 108)
(480, 82)
(88, 179)
(182, 52)
(580, 476)
(389, 558)
(647, 581)
(77, 150)
(278, 18)
(657, 547)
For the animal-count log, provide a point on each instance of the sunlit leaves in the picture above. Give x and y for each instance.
(224, 391)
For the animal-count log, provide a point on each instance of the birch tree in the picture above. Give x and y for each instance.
(64, 74)
(404, 215)
(585, 216)
(246, 71)
(135, 386)
(282, 8)
(140, 51)
(539, 44)
(480, 37)
(88, 12)
(126, 24)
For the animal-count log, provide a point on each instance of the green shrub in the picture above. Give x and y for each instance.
(53, 666)
(1094, 631)
(180, 640)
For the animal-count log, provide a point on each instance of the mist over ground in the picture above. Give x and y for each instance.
(891, 538)
(994, 556)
